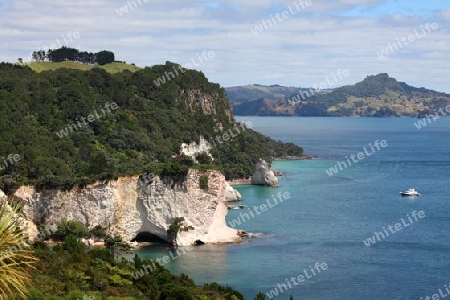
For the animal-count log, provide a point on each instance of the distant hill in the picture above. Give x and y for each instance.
(375, 96)
(253, 92)
(113, 67)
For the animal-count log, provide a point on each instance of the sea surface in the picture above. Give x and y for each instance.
(328, 218)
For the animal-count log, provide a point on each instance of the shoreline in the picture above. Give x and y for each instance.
(277, 173)
(239, 182)
(305, 157)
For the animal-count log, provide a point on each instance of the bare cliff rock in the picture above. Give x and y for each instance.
(132, 205)
(263, 175)
(207, 103)
(193, 149)
(232, 194)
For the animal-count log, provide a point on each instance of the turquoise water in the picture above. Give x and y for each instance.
(327, 218)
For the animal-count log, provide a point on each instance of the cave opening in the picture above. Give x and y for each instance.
(198, 243)
(148, 237)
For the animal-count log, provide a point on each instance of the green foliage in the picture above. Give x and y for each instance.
(224, 290)
(175, 226)
(95, 276)
(260, 296)
(115, 243)
(36, 295)
(72, 244)
(66, 228)
(16, 257)
(145, 131)
(104, 57)
(203, 158)
(174, 170)
(71, 54)
(98, 232)
(172, 291)
(204, 182)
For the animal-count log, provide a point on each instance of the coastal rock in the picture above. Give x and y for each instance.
(130, 206)
(263, 175)
(231, 194)
(194, 149)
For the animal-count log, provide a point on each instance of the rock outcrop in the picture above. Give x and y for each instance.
(231, 194)
(194, 149)
(208, 103)
(132, 205)
(263, 175)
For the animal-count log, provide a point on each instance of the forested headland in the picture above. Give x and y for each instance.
(143, 134)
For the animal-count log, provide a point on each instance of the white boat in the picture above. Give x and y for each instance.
(410, 192)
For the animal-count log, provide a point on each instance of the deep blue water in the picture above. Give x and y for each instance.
(327, 217)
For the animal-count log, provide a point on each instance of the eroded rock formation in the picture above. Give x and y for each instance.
(232, 194)
(132, 205)
(263, 175)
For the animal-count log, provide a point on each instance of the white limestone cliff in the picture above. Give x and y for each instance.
(231, 194)
(194, 149)
(263, 175)
(132, 205)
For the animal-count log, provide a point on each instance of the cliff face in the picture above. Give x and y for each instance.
(208, 103)
(133, 205)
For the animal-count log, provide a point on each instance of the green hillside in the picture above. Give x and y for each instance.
(71, 126)
(113, 67)
(253, 92)
(375, 96)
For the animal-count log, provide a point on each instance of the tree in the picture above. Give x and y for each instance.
(40, 55)
(115, 243)
(66, 228)
(98, 232)
(204, 182)
(16, 257)
(105, 57)
(203, 158)
(174, 228)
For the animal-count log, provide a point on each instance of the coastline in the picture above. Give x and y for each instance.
(277, 173)
(239, 181)
(304, 157)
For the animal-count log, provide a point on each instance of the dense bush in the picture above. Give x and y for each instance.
(42, 113)
(204, 182)
(70, 228)
(71, 272)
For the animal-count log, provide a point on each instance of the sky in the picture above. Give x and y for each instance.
(298, 43)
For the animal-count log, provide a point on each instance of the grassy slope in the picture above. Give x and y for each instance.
(114, 67)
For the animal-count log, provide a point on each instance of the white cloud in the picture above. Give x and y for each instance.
(299, 50)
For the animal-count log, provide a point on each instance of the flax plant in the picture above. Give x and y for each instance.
(16, 255)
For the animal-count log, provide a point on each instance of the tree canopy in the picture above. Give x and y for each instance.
(64, 53)
(43, 117)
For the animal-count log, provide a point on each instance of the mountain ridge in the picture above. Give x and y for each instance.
(375, 96)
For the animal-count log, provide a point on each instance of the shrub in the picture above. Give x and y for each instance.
(98, 232)
(203, 158)
(204, 182)
(66, 228)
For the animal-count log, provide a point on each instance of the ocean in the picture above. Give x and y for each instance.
(346, 234)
